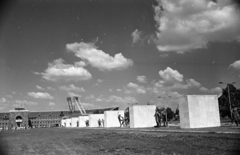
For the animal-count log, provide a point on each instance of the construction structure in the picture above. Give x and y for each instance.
(73, 102)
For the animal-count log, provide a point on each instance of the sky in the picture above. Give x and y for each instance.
(114, 53)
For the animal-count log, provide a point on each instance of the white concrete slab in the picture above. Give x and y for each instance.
(142, 116)
(74, 121)
(68, 122)
(82, 120)
(63, 123)
(93, 119)
(199, 111)
(111, 118)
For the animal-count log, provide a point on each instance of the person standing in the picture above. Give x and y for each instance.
(99, 123)
(235, 115)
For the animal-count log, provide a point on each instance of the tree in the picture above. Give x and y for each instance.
(223, 100)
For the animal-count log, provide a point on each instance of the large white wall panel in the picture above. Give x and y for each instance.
(74, 121)
(111, 118)
(142, 116)
(93, 119)
(199, 111)
(82, 120)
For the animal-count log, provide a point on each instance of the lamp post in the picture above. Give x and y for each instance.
(230, 107)
(166, 108)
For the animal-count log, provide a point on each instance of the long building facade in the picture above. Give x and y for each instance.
(22, 118)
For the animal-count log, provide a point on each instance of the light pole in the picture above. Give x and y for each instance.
(166, 107)
(230, 107)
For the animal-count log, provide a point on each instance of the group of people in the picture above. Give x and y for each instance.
(101, 123)
(160, 116)
(123, 121)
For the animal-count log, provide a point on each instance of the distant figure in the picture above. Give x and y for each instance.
(99, 123)
(157, 116)
(77, 123)
(65, 124)
(235, 115)
(87, 123)
(120, 119)
(102, 122)
(164, 118)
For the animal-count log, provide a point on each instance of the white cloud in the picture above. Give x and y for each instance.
(88, 105)
(119, 90)
(136, 35)
(216, 90)
(72, 88)
(39, 87)
(170, 75)
(236, 65)
(73, 94)
(90, 53)
(99, 80)
(21, 103)
(118, 99)
(137, 88)
(51, 104)
(190, 24)
(3, 100)
(40, 95)
(142, 79)
(50, 88)
(9, 96)
(90, 97)
(58, 70)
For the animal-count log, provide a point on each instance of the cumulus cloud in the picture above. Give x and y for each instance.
(21, 103)
(72, 88)
(170, 75)
(40, 95)
(73, 94)
(136, 36)
(216, 90)
(39, 87)
(236, 65)
(137, 88)
(90, 53)
(122, 100)
(57, 70)
(142, 79)
(184, 25)
(3, 100)
(51, 104)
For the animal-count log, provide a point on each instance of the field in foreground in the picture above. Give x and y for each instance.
(62, 141)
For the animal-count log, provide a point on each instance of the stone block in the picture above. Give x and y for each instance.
(142, 116)
(93, 119)
(68, 122)
(111, 118)
(74, 121)
(199, 111)
(82, 120)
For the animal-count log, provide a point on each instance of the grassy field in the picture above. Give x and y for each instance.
(63, 141)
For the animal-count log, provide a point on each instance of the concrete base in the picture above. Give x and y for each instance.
(111, 118)
(199, 111)
(93, 119)
(82, 120)
(74, 121)
(142, 116)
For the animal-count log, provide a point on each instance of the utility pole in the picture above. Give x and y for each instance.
(229, 97)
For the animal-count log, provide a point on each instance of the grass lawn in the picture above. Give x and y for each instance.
(71, 141)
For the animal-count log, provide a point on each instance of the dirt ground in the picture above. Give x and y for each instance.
(71, 141)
